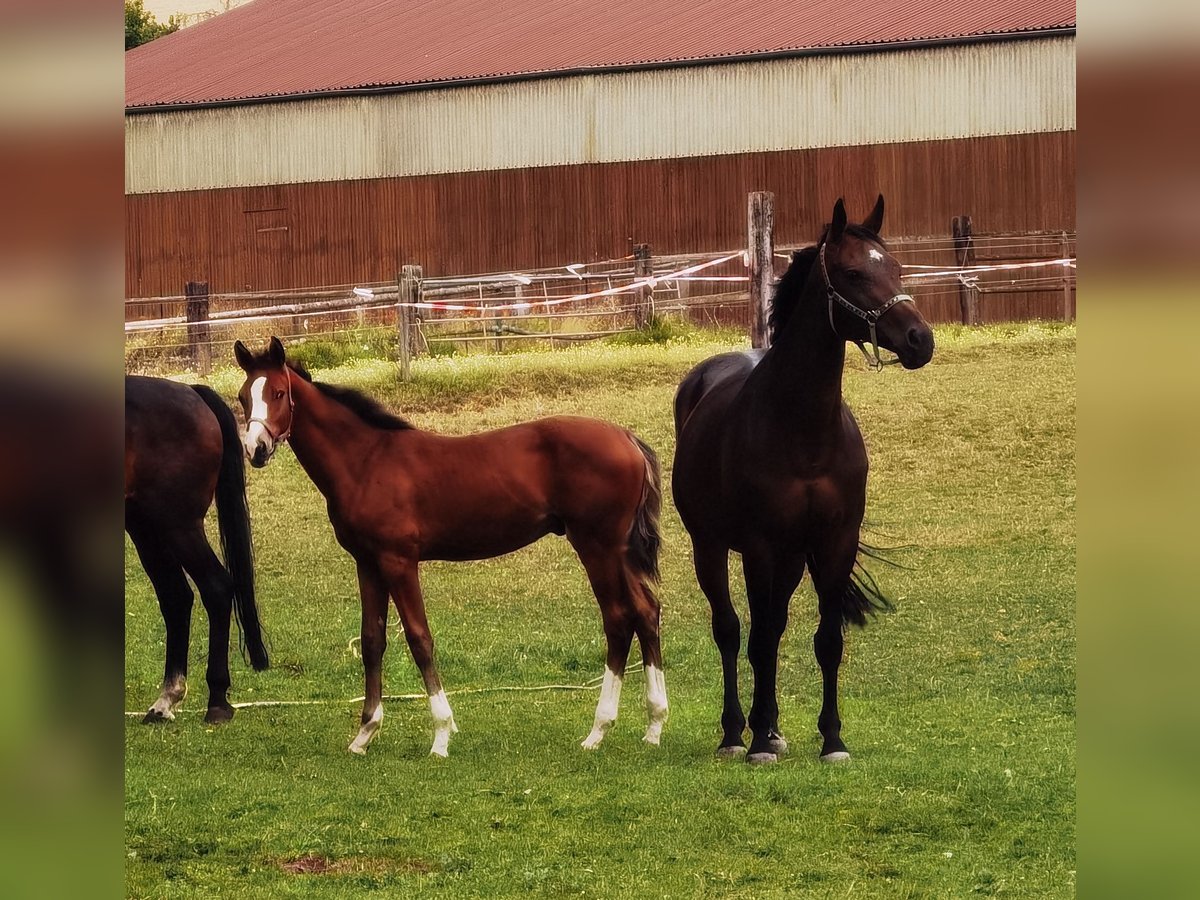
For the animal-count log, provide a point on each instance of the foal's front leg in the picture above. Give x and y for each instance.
(373, 591)
(405, 586)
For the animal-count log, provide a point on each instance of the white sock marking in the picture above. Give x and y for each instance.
(170, 697)
(606, 709)
(367, 732)
(656, 703)
(443, 723)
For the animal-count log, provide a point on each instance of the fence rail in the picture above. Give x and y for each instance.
(961, 276)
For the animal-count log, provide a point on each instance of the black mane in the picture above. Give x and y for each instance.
(791, 285)
(366, 408)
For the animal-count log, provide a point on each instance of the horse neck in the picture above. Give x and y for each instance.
(802, 372)
(329, 440)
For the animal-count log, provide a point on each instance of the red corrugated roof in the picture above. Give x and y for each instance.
(278, 48)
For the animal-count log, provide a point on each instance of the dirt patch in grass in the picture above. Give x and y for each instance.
(319, 864)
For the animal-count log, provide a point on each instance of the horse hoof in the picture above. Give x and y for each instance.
(778, 744)
(155, 716)
(439, 754)
(732, 751)
(218, 715)
(357, 749)
(762, 759)
(837, 756)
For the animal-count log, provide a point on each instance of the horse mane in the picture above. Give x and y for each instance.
(791, 285)
(370, 410)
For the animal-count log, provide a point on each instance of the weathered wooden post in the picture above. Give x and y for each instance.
(964, 252)
(1068, 307)
(760, 219)
(643, 267)
(196, 314)
(408, 292)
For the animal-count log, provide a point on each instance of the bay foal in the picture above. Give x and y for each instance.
(398, 496)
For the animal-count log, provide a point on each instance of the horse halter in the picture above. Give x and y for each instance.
(287, 433)
(870, 316)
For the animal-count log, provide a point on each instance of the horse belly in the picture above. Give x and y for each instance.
(486, 539)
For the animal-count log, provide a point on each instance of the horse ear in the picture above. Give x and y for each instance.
(838, 225)
(244, 357)
(275, 352)
(874, 222)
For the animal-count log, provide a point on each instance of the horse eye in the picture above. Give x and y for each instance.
(279, 395)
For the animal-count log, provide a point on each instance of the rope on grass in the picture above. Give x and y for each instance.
(590, 685)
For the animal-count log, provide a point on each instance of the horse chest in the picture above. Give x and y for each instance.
(792, 506)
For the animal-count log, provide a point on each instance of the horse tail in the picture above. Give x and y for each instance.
(233, 519)
(863, 596)
(644, 536)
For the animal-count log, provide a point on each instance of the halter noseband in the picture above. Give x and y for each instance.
(280, 438)
(870, 316)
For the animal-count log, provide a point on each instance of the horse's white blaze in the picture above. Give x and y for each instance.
(256, 432)
(606, 709)
(367, 732)
(875, 254)
(656, 703)
(443, 723)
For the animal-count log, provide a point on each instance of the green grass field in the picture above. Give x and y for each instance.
(959, 707)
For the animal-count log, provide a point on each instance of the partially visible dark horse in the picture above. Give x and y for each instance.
(181, 448)
(769, 462)
(398, 496)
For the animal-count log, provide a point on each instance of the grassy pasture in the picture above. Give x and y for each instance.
(958, 706)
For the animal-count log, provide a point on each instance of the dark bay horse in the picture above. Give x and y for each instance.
(770, 463)
(398, 495)
(182, 448)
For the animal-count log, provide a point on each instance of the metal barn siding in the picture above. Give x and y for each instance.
(996, 88)
(327, 233)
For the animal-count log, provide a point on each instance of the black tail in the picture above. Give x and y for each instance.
(863, 596)
(644, 538)
(233, 517)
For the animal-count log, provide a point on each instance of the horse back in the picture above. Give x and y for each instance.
(481, 495)
(725, 369)
(173, 447)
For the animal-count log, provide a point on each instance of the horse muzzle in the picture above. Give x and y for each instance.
(917, 349)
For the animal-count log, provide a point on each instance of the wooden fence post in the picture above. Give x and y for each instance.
(1068, 307)
(964, 252)
(760, 228)
(197, 325)
(408, 291)
(643, 305)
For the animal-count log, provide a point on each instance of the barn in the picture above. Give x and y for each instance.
(290, 144)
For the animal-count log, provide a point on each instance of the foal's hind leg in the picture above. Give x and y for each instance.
(647, 615)
(216, 593)
(712, 572)
(606, 573)
(175, 600)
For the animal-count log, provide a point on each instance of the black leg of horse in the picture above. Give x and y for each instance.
(831, 575)
(175, 599)
(712, 573)
(216, 593)
(770, 584)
